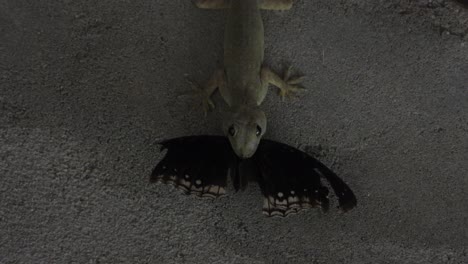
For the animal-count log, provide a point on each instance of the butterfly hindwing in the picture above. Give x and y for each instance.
(195, 164)
(346, 198)
(290, 180)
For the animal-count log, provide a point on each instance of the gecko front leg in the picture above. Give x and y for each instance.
(287, 85)
(204, 93)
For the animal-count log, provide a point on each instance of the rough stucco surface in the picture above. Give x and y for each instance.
(88, 87)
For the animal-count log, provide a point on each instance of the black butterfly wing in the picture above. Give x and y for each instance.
(196, 164)
(290, 180)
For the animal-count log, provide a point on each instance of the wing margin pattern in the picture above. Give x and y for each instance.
(196, 165)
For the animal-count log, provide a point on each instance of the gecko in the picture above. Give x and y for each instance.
(243, 80)
(289, 179)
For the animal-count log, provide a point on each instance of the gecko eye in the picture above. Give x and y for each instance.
(259, 131)
(232, 131)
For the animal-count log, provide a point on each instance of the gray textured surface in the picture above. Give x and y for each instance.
(87, 87)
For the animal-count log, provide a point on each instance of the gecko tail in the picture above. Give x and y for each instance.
(263, 4)
(212, 4)
(276, 4)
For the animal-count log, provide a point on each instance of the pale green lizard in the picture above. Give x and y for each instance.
(243, 81)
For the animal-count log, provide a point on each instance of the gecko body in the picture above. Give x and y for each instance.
(243, 81)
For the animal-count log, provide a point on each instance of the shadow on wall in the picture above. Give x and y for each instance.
(463, 2)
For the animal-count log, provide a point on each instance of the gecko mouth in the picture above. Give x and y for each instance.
(246, 150)
(244, 156)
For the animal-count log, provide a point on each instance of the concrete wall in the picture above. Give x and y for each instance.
(88, 87)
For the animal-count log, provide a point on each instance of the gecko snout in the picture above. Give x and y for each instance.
(246, 155)
(246, 151)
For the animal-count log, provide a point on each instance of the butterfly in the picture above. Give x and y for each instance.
(289, 179)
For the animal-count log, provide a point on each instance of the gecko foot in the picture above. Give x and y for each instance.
(291, 84)
(203, 98)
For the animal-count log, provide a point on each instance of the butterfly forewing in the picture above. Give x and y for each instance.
(290, 180)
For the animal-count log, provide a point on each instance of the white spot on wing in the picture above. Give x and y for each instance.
(198, 182)
(221, 190)
(281, 205)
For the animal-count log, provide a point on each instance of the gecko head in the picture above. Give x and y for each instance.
(245, 126)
